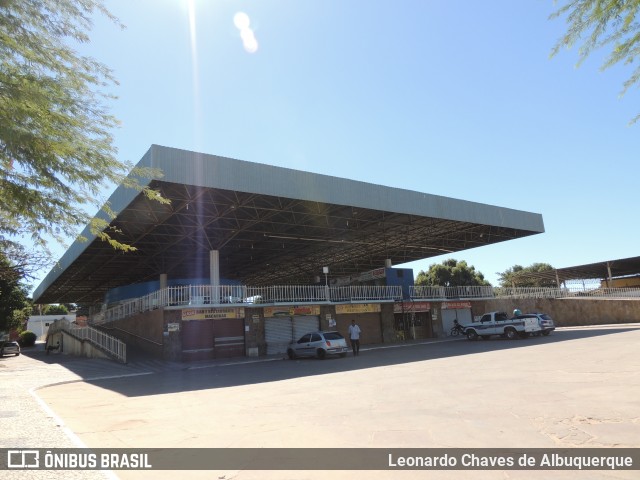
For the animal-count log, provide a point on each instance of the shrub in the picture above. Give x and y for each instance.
(27, 339)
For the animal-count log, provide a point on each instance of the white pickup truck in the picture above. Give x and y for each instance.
(499, 323)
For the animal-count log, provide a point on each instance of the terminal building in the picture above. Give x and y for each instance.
(247, 257)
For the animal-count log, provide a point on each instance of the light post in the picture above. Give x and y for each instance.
(325, 270)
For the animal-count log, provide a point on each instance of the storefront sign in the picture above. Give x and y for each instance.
(455, 305)
(411, 307)
(358, 308)
(173, 327)
(209, 313)
(291, 311)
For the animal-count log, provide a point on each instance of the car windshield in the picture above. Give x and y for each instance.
(544, 316)
(332, 336)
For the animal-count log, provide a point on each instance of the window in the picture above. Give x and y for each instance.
(316, 338)
(305, 338)
(332, 336)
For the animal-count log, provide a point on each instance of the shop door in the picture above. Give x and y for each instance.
(229, 337)
(278, 333)
(197, 340)
(305, 324)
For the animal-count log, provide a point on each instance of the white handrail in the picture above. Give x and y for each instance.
(225, 295)
(106, 342)
(484, 292)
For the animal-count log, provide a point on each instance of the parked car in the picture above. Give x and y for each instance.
(546, 323)
(318, 344)
(9, 348)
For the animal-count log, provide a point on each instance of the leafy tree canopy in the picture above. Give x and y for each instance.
(608, 24)
(451, 273)
(55, 310)
(13, 297)
(56, 147)
(520, 276)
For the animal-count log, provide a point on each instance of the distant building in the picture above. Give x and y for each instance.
(39, 324)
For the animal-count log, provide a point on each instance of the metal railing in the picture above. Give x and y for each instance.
(240, 295)
(478, 293)
(109, 344)
(224, 295)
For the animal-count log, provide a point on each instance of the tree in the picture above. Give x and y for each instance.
(603, 24)
(56, 146)
(451, 273)
(13, 297)
(530, 276)
(55, 310)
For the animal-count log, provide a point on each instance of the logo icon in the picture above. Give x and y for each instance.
(23, 458)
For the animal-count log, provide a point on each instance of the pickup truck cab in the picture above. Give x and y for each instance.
(499, 323)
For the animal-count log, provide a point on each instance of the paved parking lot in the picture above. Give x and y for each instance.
(575, 388)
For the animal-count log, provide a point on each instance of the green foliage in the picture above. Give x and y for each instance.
(603, 24)
(55, 310)
(520, 276)
(451, 273)
(13, 296)
(27, 339)
(56, 147)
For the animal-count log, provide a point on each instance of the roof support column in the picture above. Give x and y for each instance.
(163, 281)
(609, 275)
(214, 275)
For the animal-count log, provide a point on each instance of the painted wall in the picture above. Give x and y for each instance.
(138, 290)
(39, 324)
(72, 346)
(143, 331)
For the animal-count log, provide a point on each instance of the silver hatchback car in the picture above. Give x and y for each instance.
(318, 344)
(545, 321)
(9, 348)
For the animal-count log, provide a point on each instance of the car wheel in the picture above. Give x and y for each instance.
(320, 353)
(472, 335)
(511, 334)
(546, 333)
(291, 354)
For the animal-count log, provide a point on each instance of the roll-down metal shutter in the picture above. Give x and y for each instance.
(305, 324)
(278, 334)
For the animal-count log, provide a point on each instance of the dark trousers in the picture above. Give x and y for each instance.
(355, 345)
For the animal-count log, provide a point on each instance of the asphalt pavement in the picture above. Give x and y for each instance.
(576, 388)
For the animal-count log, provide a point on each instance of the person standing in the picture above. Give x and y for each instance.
(354, 337)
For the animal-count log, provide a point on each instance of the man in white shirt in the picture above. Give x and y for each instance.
(354, 337)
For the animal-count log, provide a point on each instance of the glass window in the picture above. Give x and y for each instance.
(333, 336)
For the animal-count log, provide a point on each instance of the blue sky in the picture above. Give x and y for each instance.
(451, 98)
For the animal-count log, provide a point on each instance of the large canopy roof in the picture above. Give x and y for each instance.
(622, 267)
(271, 225)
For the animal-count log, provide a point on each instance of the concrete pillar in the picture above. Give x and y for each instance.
(163, 300)
(214, 275)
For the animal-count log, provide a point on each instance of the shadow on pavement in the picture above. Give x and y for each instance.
(178, 377)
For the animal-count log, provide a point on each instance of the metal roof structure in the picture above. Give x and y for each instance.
(623, 267)
(271, 226)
